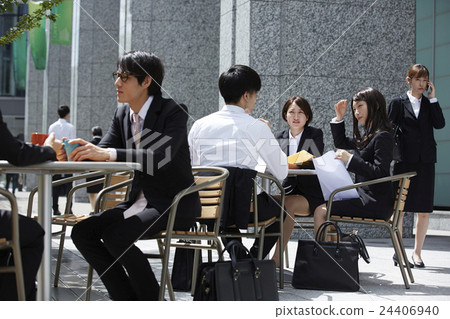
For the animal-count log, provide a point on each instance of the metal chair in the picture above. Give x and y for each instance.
(14, 245)
(211, 190)
(391, 225)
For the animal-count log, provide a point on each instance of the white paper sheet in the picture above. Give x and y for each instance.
(332, 174)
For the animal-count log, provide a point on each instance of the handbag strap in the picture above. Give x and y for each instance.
(321, 232)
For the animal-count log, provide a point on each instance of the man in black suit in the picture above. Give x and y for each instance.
(151, 130)
(31, 233)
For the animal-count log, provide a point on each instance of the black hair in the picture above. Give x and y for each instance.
(238, 80)
(97, 131)
(377, 119)
(63, 110)
(140, 64)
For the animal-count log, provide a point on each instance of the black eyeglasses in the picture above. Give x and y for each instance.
(123, 76)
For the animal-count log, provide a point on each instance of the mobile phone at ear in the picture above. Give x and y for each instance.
(428, 88)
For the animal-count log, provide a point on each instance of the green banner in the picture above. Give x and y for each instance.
(19, 54)
(38, 42)
(61, 30)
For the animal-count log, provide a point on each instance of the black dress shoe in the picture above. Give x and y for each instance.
(395, 259)
(57, 213)
(418, 264)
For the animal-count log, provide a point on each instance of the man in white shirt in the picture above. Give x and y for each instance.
(61, 128)
(233, 138)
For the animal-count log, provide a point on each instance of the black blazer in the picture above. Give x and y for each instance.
(19, 153)
(164, 155)
(417, 141)
(371, 162)
(312, 142)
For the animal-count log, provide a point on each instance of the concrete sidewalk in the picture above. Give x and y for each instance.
(380, 280)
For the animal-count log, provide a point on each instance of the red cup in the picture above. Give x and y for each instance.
(38, 138)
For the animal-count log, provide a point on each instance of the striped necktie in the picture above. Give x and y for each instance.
(137, 130)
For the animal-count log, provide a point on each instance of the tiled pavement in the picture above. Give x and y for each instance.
(380, 280)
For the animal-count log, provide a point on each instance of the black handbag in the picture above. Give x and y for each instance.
(182, 269)
(326, 265)
(245, 279)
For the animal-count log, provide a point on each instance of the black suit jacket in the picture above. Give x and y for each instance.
(19, 153)
(371, 162)
(417, 141)
(163, 153)
(312, 142)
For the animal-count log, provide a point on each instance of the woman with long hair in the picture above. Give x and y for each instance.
(372, 143)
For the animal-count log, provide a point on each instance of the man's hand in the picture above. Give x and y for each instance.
(340, 108)
(57, 146)
(88, 151)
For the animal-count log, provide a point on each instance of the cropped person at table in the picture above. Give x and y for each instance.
(62, 128)
(417, 116)
(142, 131)
(303, 193)
(373, 153)
(241, 140)
(31, 234)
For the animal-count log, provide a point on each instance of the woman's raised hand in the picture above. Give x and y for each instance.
(340, 108)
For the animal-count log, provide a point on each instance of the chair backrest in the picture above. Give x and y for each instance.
(400, 198)
(109, 199)
(211, 197)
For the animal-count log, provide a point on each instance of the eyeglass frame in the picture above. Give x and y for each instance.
(124, 76)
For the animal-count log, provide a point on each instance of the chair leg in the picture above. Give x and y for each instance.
(18, 271)
(59, 258)
(87, 296)
(195, 270)
(164, 252)
(399, 253)
(405, 257)
(286, 256)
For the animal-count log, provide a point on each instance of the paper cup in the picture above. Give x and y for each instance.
(69, 148)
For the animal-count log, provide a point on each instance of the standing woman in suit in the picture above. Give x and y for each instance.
(303, 192)
(373, 149)
(417, 116)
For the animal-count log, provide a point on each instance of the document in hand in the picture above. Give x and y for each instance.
(332, 174)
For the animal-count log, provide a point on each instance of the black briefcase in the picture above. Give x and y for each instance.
(244, 279)
(326, 265)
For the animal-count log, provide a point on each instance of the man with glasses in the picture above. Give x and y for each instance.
(152, 130)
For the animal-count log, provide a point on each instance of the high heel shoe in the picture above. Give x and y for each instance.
(395, 259)
(418, 264)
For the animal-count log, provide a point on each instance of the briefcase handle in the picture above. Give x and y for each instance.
(321, 233)
(233, 246)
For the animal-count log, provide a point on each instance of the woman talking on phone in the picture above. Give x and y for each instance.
(416, 116)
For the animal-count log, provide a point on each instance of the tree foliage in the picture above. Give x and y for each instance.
(28, 21)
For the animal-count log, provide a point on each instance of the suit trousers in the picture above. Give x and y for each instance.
(31, 236)
(107, 241)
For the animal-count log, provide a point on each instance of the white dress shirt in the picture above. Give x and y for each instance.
(293, 142)
(62, 128)
(230, 137)
(415, 103)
